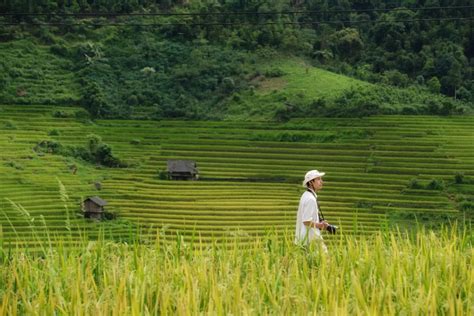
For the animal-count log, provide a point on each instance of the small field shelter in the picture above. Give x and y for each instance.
(182, 170)
(94, 207)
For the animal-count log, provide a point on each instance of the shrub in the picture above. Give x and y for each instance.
(420, 79)
(396, 78)
(103, 156)
(434, 85)
(96, 151)
(101, 153)
(414, 184)
(9, 125)
(459, 178)
(132, 100)
(4, 80)
(283, 112)
(93, 142)
(15, 72)
(466, 206)
(463, 94)
(37, 74)
(14, 164)
(54, 132)
(353, 105)
(94, 99)
(61, 114)
(46, 35)
(49, 146)
(60, 50)
(162, 175)
(109, 216)
(135, 142)
(80, 153)
(274, 72)
(436, 184)
(82, 115)
(228, 84)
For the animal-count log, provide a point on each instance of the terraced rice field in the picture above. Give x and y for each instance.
(37, 75)
(250, 174)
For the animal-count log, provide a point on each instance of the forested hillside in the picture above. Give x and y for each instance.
(269, 60)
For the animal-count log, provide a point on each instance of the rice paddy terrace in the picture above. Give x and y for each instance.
(250, 174)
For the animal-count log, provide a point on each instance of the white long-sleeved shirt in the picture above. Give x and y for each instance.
(307, 211)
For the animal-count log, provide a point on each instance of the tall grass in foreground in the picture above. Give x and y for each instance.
(385, 274)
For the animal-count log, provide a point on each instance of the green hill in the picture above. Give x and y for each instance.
(289, 87)
(116, 73)
(239, 60)
(380, 171)
(31, 74)
(289, 80)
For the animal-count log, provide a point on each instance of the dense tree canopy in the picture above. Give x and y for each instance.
(199, 60)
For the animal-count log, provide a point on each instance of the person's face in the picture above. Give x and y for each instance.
(317, 184)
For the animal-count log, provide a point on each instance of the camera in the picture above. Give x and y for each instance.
(331, 229)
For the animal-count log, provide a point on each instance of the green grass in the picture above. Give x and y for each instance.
(299, 77)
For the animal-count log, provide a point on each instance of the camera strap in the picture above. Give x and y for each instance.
(321, 216)
(320, 213)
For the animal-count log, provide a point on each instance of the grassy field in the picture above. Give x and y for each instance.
(380, 171)
(300, 77)
(296, 82)
(383, 274)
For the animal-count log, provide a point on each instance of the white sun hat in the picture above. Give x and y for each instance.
(312, 174)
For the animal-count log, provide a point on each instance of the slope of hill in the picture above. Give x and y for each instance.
(31, 74)
(289, 87)
(284, 81)
(380, 170)
(116, 73)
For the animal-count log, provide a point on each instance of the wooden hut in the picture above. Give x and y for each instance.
(94, 207)
(182, 170)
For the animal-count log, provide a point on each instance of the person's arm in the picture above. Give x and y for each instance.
(322, 225)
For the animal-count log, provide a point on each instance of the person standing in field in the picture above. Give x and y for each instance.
(308, 223)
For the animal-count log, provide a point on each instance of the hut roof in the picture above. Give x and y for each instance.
(182, 166)
(97, 200)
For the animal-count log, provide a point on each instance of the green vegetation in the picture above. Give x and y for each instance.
(250, 173)
(404, 59)
(385, 274)
(97, 95)
(33, 75)
(305, 91)
(96, 151)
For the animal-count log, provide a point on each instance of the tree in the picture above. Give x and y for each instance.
(396, 78)
(347, 43)
(434, 85)
(93, 143)
(94, 100)
(446, 61)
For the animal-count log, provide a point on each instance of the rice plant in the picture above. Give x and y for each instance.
(390, 273)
